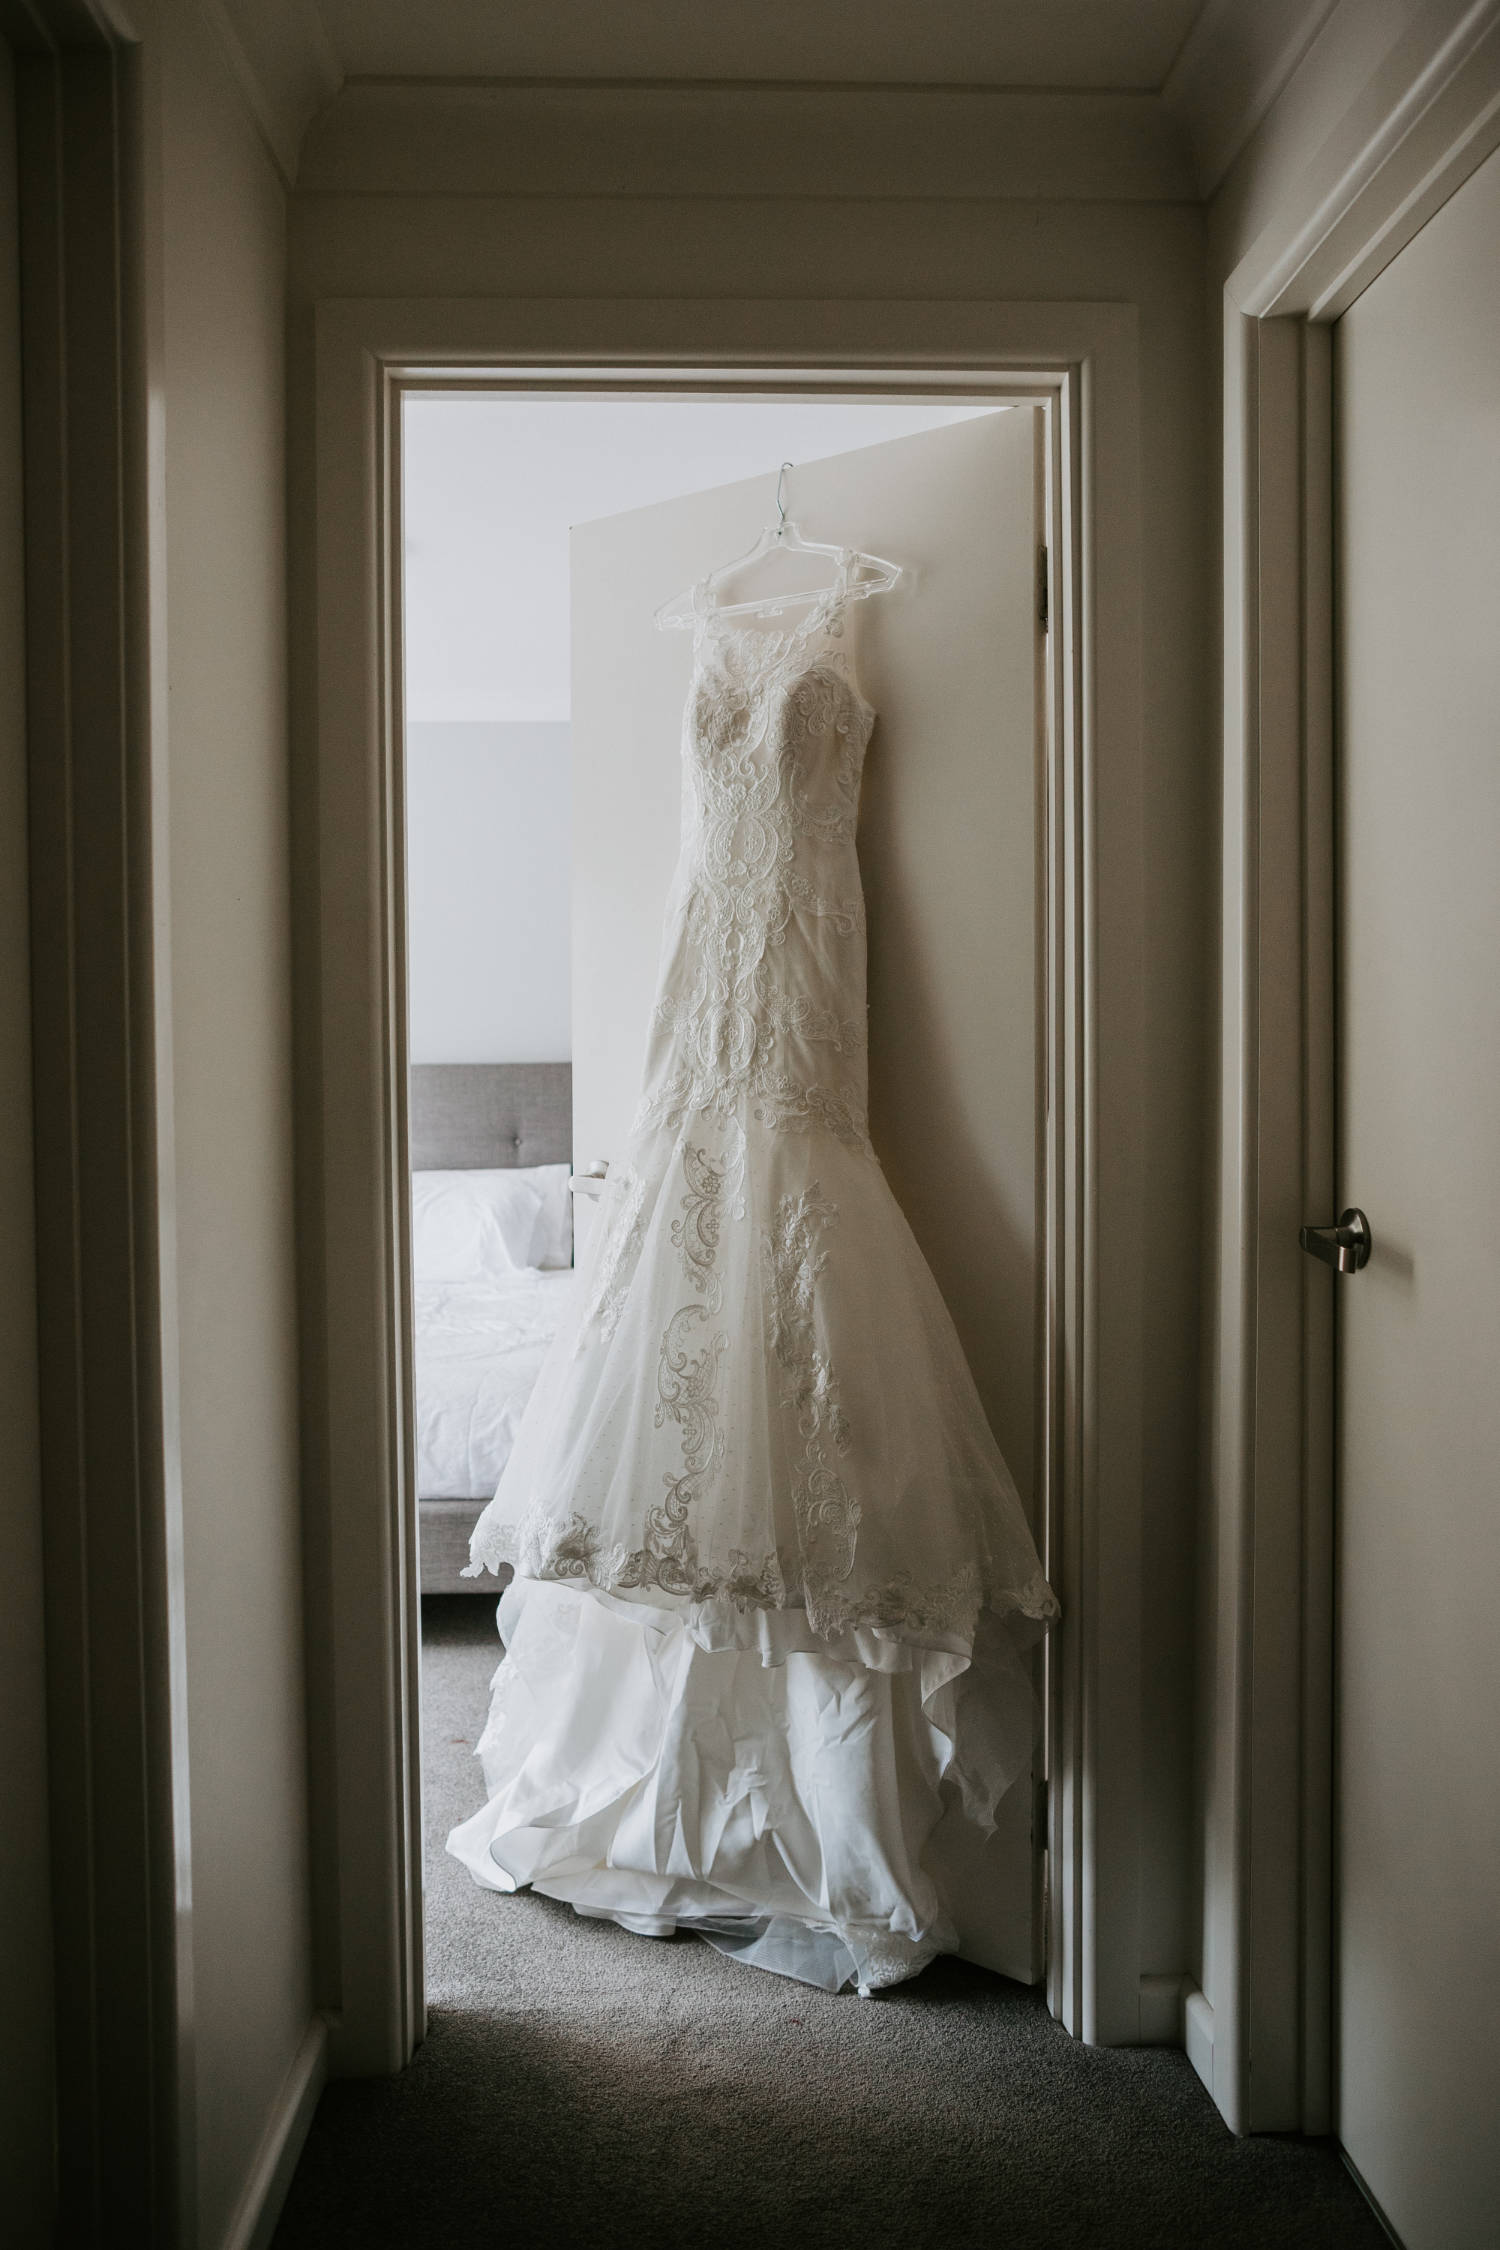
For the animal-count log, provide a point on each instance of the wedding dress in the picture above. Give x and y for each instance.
(771, 1571)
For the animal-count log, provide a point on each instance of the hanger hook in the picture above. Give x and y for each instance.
(780, 495)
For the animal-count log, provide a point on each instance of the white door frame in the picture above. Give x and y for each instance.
(1406, 142)
(1081, 362)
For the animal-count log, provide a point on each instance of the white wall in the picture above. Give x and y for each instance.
(222, 388)
(488, 873)
(26, 2136)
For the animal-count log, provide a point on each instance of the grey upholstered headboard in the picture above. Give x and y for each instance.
(480, 1117)
(473, 1117)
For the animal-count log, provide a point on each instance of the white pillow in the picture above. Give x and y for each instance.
(552, 1243)
(473, 1226)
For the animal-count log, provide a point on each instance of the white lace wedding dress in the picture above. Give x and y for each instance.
(771, 1569)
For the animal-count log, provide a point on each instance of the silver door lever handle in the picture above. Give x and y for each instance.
(1345, 1247)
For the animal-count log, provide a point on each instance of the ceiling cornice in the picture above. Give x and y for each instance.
(284, 64)
(1232, 66)
(1418, 119)
(330, 134)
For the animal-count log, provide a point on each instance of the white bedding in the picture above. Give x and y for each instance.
(479, 1346)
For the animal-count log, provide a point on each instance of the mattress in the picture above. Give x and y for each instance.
(479, 1348)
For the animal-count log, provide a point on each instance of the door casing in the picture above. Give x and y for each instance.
(112, 1563)
(1079, 364)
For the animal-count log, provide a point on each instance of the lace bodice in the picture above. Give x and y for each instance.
(762, 987)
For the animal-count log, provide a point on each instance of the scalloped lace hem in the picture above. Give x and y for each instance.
(724, 1607)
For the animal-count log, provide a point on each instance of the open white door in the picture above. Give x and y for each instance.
(950, 846)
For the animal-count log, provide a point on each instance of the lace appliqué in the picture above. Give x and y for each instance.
(794, 1011)
(544, 1545)
(884, 1957)
(847, 914)
(1035, 1599)
(791, 1260)
(786, 1107)
(816, 712)
(696, 1234)
(686, 1394)
(903, 1604)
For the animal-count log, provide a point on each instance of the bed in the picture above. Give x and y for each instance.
(480, 1339)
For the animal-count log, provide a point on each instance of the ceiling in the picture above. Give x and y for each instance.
(1113, 44)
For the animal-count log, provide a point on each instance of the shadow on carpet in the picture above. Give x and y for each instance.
(581, 2085)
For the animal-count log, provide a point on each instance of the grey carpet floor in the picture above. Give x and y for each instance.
(582, 2086)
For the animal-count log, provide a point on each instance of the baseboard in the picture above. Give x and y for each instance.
(1365, 2189)
(264, 2192)
(1161, 2011)
(1198, 2036)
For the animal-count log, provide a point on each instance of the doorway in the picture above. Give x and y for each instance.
(508, 1051)
(1080, 362)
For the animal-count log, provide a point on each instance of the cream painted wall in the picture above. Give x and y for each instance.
(350, 238)
(221, 278)
(26, 2128)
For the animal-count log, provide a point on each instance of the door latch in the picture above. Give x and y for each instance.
(1345, 1247)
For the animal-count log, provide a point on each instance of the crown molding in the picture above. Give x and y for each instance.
(1229, 72)
(414, 137)
(1425, 119)
(284, 64)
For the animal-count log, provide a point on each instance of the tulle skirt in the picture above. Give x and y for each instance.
(810, 1814)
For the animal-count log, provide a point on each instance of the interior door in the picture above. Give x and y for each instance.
(950, 847)
(1418, 1564)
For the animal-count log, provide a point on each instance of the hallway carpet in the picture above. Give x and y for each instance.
(579, 2086)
